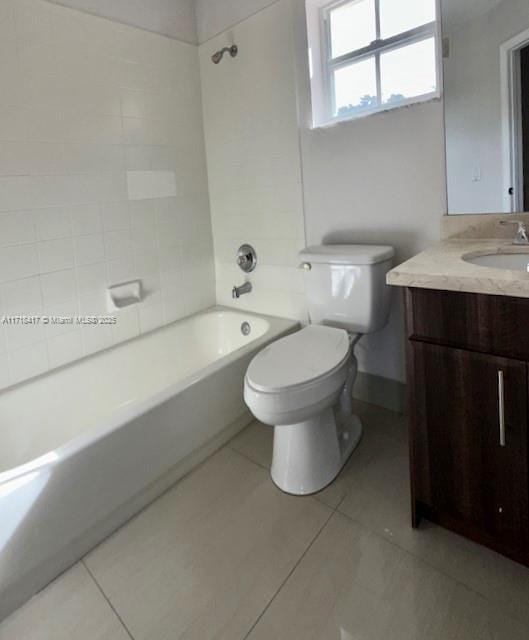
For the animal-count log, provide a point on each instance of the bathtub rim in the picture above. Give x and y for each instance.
(279, 326)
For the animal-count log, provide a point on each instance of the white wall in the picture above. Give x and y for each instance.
(474, 140)
(216, 16)
(84, 101)
(253, 157)
(173, 18)
(380, 180)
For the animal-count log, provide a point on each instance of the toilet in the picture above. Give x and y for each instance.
(302, 384)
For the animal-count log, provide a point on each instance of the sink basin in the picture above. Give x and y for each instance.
(513, 261)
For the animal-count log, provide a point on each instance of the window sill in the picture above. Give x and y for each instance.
(335, 122)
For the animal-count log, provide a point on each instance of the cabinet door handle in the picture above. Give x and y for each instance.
(501, 407)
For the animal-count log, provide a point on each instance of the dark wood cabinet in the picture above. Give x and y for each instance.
(469, 418)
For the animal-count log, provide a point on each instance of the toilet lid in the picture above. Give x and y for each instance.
(299, 358)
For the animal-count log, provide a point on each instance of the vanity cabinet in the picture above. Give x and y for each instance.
(468, 372)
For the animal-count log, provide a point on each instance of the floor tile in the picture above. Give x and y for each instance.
(378, 498)
(354, 585)
(381, 427)
(256, 443)
(71, 608)
(203, 561)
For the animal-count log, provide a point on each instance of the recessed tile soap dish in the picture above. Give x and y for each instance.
(124, 295)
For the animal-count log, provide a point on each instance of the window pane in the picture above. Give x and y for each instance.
(396, 17)
(353, 26)
(409, 71)
(355, 88)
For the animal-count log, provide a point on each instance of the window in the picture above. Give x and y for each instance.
(371, 55)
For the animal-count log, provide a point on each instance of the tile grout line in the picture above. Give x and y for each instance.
(314, 496)
(243, 455)
(337, 510)
(412, 555)
(107, 599)
(287, 578)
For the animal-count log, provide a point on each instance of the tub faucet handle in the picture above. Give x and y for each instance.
(246, 258)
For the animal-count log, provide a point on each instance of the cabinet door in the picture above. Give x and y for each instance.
(472, 412)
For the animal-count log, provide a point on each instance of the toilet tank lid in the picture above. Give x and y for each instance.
(357, 254)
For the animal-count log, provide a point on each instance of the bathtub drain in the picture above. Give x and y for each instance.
(246, 329)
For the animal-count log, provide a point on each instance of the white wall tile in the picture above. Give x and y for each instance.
(117, 244)
(86, 219)
(15, 193)
(55, 255)
(151, 317)
(22, 296)
(28, 362)
(18, 262)
(96, 338)
(120, 270)
(20, 335)
(52, 223)
(116, 216)
(65, 348)
(254, 164)
(92, 277)
(143, 185)
(127, 325)
(66, 309)
(4, 371)
(16, 228)
(89, 249)
(83, 101)
(58, 287)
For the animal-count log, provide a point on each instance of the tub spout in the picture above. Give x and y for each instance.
(237, 292)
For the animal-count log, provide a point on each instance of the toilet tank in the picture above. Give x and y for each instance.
(345, 285)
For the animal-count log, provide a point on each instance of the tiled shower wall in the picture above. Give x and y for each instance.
(102, 179)
(254, 166)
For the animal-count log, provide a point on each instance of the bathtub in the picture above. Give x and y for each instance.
(85, 447)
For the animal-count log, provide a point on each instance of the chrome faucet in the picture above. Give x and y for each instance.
(237, 292)
(521, 233)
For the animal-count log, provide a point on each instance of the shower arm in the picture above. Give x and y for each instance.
(217, 57)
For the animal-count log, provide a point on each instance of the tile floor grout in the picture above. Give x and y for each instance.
(314, 496)
(268, 604)
(409, 553)
(261, 466)
(287, 578)
(332, 512)
(107, 599)
(337, 510)
(320, 535)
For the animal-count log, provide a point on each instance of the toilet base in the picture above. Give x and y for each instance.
(309, 455)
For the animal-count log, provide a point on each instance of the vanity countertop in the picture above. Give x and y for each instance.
(442, 267)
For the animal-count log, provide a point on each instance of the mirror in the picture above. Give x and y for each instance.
(486, 95)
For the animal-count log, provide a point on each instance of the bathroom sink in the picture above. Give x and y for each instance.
(513, 261)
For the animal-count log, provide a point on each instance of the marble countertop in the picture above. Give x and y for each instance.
(442, 267)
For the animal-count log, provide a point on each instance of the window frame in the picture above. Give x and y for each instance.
(375, 49)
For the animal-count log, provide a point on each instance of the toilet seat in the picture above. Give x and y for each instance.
(298, 373)
(299, 360)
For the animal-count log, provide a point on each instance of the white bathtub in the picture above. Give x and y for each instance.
(85, 447)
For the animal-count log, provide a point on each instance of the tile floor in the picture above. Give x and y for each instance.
(225, 555)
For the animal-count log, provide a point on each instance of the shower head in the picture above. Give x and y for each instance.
(217, 57)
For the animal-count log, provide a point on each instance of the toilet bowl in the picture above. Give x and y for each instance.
(296, 385)
(302, 384)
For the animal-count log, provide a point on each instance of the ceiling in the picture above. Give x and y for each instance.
(173, 18)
